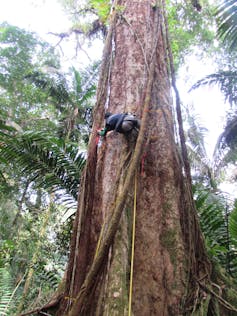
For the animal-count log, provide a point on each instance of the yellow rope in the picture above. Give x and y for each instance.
(133, 243)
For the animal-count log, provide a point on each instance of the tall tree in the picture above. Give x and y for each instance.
(171, 274)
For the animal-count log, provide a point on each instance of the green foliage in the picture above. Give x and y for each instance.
(84, 83)
(233, 224)
(227, 82)
(23, 104)
(225, 153)
(54, 85)
(71, 98)
(202, 170)
(46, 160)
(102, 8)
(189, 29)
(48, 267)
(195, 133)
(214, 219)
(45, 115)
(19, 51)
(226, 77)
(226, 15)
(44, 284)
(7, 293)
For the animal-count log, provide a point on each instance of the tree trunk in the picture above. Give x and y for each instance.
(145, 175)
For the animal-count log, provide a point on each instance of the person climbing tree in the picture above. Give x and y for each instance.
(122, 123)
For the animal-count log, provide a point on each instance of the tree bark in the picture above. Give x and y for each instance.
(169, 259)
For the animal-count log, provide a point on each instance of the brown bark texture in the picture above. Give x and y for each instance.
(169, 252)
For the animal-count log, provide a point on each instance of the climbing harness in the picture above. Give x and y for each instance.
(122, 123)
(119, 125)
(133, 245)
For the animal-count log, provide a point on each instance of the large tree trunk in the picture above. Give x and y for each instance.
(169, 254)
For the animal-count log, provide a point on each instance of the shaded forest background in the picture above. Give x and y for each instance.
(46, 115)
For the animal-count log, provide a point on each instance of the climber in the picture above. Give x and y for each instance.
(122, 123)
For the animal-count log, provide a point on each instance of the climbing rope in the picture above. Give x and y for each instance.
(133, 244)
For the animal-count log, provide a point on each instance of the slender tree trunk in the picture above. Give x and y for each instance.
(35, 257)
(169, 257)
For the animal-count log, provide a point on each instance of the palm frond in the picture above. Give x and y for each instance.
(226, 146)
(48, 161)
(44, 285)
(214, 224)
(226, 16)
(54, 85)
(200, 163)
(5, 290)
(201, 167)
(227, 82)
(195, 131)
(84, 82)
(229, 135)
(233, 225)
(8, 297)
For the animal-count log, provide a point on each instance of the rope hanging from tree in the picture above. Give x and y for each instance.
(133, 245)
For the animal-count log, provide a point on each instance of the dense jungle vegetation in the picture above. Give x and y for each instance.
(46, 114)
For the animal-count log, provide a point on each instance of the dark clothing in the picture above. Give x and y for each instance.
(122, 123)
(114, 122)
